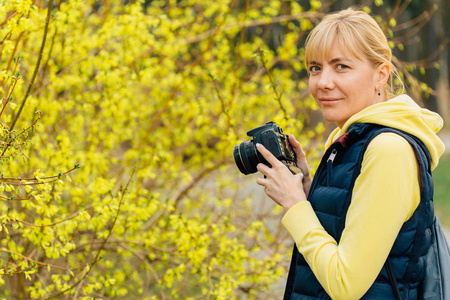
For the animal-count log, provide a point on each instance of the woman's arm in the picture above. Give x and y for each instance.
(385, 195)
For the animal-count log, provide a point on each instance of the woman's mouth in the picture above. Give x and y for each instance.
(329, 101)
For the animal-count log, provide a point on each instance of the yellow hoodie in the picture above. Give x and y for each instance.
(385, 195)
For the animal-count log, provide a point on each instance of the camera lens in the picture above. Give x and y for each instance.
(246, 157)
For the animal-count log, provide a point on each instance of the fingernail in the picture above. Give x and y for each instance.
(257, 145)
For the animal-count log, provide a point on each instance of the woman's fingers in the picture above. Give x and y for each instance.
(301, 156)
(279, 183)
(263, 169)
(271, 159)
(302, 163)
(296, 146)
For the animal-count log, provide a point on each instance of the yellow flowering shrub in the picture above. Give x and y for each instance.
(118, 123)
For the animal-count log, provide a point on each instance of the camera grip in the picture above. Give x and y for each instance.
(294, 169)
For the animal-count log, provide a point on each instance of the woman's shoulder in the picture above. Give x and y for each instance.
(390, 142)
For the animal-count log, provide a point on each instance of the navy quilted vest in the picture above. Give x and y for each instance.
(330, 196)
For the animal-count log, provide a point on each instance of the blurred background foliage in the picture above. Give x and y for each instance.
(118, 123)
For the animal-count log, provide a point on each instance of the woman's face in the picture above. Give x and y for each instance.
(343, 85)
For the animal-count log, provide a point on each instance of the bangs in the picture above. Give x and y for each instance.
(320, 41)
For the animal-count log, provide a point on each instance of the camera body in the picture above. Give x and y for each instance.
(272, 137)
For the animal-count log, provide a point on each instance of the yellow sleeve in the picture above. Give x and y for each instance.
(385, 195)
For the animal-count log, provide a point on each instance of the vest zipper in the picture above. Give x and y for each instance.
(330, 165)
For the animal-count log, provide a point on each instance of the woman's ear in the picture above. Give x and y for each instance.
(383, 71)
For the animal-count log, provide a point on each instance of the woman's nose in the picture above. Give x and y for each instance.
(326, 80)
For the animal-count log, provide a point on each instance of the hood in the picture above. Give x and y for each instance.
(404, 114)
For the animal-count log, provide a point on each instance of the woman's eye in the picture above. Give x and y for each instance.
(341, 67)
(314, 69)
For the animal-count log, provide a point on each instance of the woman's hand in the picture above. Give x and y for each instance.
(279, 183)
(301, 163)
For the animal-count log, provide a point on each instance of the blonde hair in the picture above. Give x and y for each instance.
(359, 33)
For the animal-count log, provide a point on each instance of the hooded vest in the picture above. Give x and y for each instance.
(330, 197)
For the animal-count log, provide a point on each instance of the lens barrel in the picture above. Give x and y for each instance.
(246, 157)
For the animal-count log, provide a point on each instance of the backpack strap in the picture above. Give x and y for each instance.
(392, 280)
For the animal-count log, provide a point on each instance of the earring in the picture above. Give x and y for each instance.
(378, 89)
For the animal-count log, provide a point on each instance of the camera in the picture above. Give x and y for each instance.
(272, 137)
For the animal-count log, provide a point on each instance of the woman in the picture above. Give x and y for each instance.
(355, 221)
